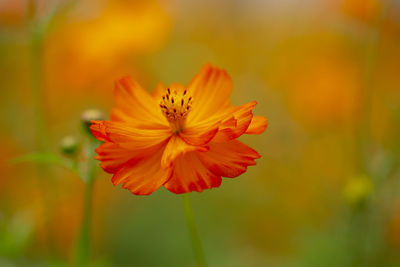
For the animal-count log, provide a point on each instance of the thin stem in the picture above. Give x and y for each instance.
(38, 30)
(197, 246)
(41, 141)
(83, 249)
(368, 224)
(371, 58)
(37, 86)
(88, 175)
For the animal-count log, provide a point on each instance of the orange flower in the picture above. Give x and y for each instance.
(183, 138)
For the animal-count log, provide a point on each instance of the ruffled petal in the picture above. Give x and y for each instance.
(112, 157)
(143, 176)
(189, 174)
(210, 89)
(228, 159)
(200, 134)
(127, 136)
(258, 125)
(136, 103)
(236, 123)
(176, 147)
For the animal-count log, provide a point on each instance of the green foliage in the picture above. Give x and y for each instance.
(39, 157)
(47, 158)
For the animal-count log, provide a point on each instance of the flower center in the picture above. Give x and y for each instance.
(175, 105)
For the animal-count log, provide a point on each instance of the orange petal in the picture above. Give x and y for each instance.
(176, 147)
(258, 125)
(228, 159)
(200, 134)
(189, 174)
(127, 136)
(98, 130)
(112, 157)
(236, 124)
(210, 89)
(143, 176)
(136, 103)
(118, 114)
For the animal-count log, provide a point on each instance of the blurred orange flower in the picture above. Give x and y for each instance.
(103, 42)
(326, 90)
(183, 138)
(363, 10)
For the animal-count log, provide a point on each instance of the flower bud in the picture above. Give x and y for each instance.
(357, 190)
(90, 115)
(69, 146)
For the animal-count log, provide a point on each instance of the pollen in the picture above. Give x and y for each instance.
(176, 105)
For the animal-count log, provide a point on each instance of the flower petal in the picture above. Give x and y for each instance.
(118, 114)
(112, 157)
(258, 125)
(200, 134)
(236, 123)
(127, 136)
(228, 159)
(189, 174)
(143, 176)
(210, 89)
(176, 147)
(136, 103)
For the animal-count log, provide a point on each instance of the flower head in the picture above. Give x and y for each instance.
(69, 146)
(180, 137)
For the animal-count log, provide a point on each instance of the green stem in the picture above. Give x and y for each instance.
(197, 246)
(83, 249)
(88, 175)
(41, 144)
(38, 30)
(37, 38)
(371, 58)
(366, 224)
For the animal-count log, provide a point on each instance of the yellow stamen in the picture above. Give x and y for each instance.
(175, 106)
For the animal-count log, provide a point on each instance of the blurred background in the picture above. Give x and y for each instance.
(326, 74)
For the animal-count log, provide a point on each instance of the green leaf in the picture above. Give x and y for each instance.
(38, 157)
